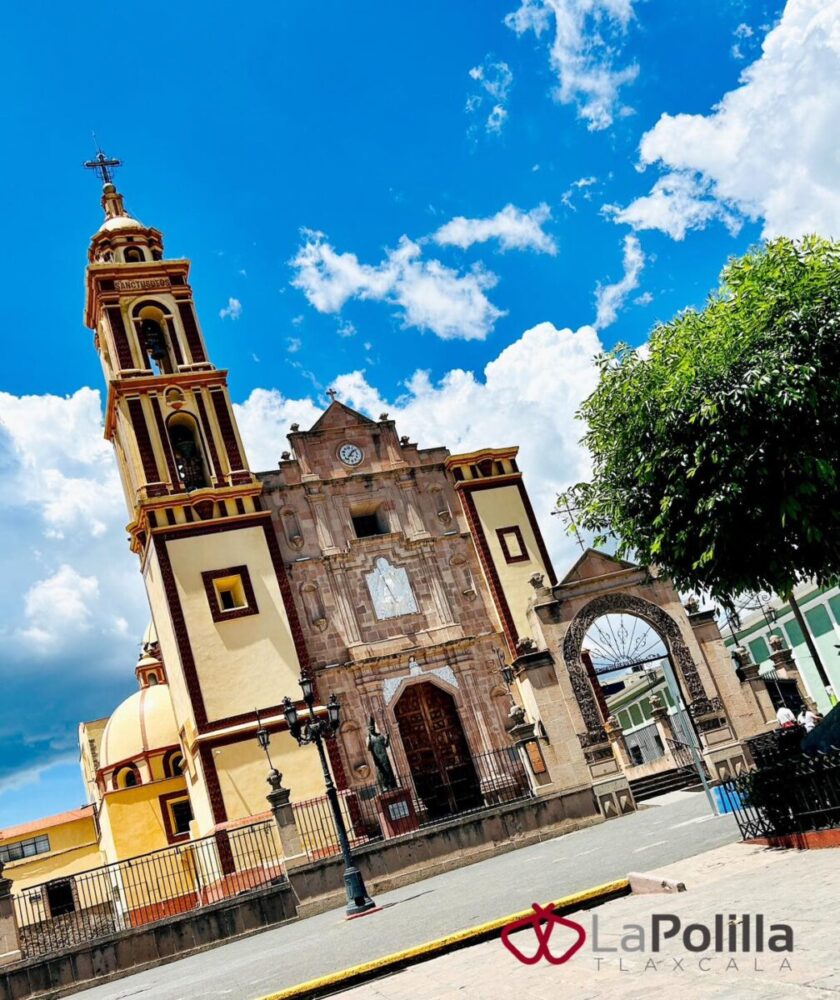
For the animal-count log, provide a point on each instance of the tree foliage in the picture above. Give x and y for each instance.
(716, 451)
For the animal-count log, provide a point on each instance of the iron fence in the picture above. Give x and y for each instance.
(790, 795)
(486, 780)
(80, 907)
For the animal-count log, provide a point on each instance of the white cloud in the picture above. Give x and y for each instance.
(528, 395)
(678, 201)
(430, 295)
(767, 151)
(513, 228)
(57, 607)
(494, 81)
(581, 184)
(233, 310)
(644, 299)
(609, 299)
(345, 328)
(588, 35)
(293, 344)
(264, 420)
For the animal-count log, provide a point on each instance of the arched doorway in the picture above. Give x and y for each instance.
(629, 666)
(436, 748)
(684, 669)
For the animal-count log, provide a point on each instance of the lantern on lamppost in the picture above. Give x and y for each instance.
(314, 730)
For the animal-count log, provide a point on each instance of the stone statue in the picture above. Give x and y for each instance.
(378, 745)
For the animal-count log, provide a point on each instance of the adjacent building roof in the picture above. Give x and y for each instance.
(37, 825)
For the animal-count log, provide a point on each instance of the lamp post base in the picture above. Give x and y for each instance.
(358, 901)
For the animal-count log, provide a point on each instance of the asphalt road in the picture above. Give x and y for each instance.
(675, 826)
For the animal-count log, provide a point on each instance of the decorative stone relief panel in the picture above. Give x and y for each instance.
(390, 590)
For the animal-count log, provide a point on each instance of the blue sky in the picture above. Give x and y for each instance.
(366, 191)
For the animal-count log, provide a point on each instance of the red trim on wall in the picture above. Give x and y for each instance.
(495, 584)
(117, 324)
(175, 340)
(164, 440)
(144, 442)
(208, 435)
(502, 535)
(532, 520)
(211, 780)
(171, 836)
(220, 405)
(188, 321)
(179, 627)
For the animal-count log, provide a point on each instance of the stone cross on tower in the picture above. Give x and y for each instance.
(332, 394)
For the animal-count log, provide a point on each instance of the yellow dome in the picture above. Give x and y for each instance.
(143, 722)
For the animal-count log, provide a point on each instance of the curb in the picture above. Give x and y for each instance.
(357, 974)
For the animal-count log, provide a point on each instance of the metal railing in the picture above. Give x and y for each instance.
(75, 908)
(791, 795)
(486, 780)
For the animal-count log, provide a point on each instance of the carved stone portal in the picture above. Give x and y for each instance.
(658, 619)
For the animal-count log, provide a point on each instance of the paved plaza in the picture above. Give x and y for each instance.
(668, 829)
(798, 888)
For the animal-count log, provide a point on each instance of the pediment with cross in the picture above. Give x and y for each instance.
(338, 416)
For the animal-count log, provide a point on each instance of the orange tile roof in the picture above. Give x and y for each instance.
(36, 825)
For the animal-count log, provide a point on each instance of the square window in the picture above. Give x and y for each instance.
(230, 593)
(181, 816)
(369, 519)
(60, 897)
(512, 544)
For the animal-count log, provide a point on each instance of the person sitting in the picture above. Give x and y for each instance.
(807, 719)
(785, 717)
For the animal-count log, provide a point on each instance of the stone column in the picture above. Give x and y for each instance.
(278, 798)
(612, 727)
(756, 686)
(9, 939)
(664, 726)
(786, 667)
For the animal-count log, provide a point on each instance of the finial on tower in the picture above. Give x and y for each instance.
(102, 164)
(332, 394)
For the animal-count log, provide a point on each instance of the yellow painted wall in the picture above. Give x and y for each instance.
(502, 508)
(243, 771)
(246, 662)
(131, 820)
(73, 848)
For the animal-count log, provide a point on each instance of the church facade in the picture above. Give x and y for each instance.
(412, 583)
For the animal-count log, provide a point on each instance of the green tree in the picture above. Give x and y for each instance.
(716, 452)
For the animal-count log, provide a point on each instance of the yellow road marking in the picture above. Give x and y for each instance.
(430, 948)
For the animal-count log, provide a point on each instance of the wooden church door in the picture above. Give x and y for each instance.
(436, 748)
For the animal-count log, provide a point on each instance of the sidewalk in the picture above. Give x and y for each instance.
(797, 888)
(675, 826)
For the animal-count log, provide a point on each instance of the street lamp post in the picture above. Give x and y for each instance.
(314, 730)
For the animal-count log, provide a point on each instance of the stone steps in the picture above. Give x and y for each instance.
(666, 781)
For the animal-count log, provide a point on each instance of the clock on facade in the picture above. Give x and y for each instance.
(350, 454)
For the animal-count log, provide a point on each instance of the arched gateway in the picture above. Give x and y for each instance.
(559, 680)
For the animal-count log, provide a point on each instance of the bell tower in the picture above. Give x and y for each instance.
(217, 587)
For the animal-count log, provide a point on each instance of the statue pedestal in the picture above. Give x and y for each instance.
(396, 812)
